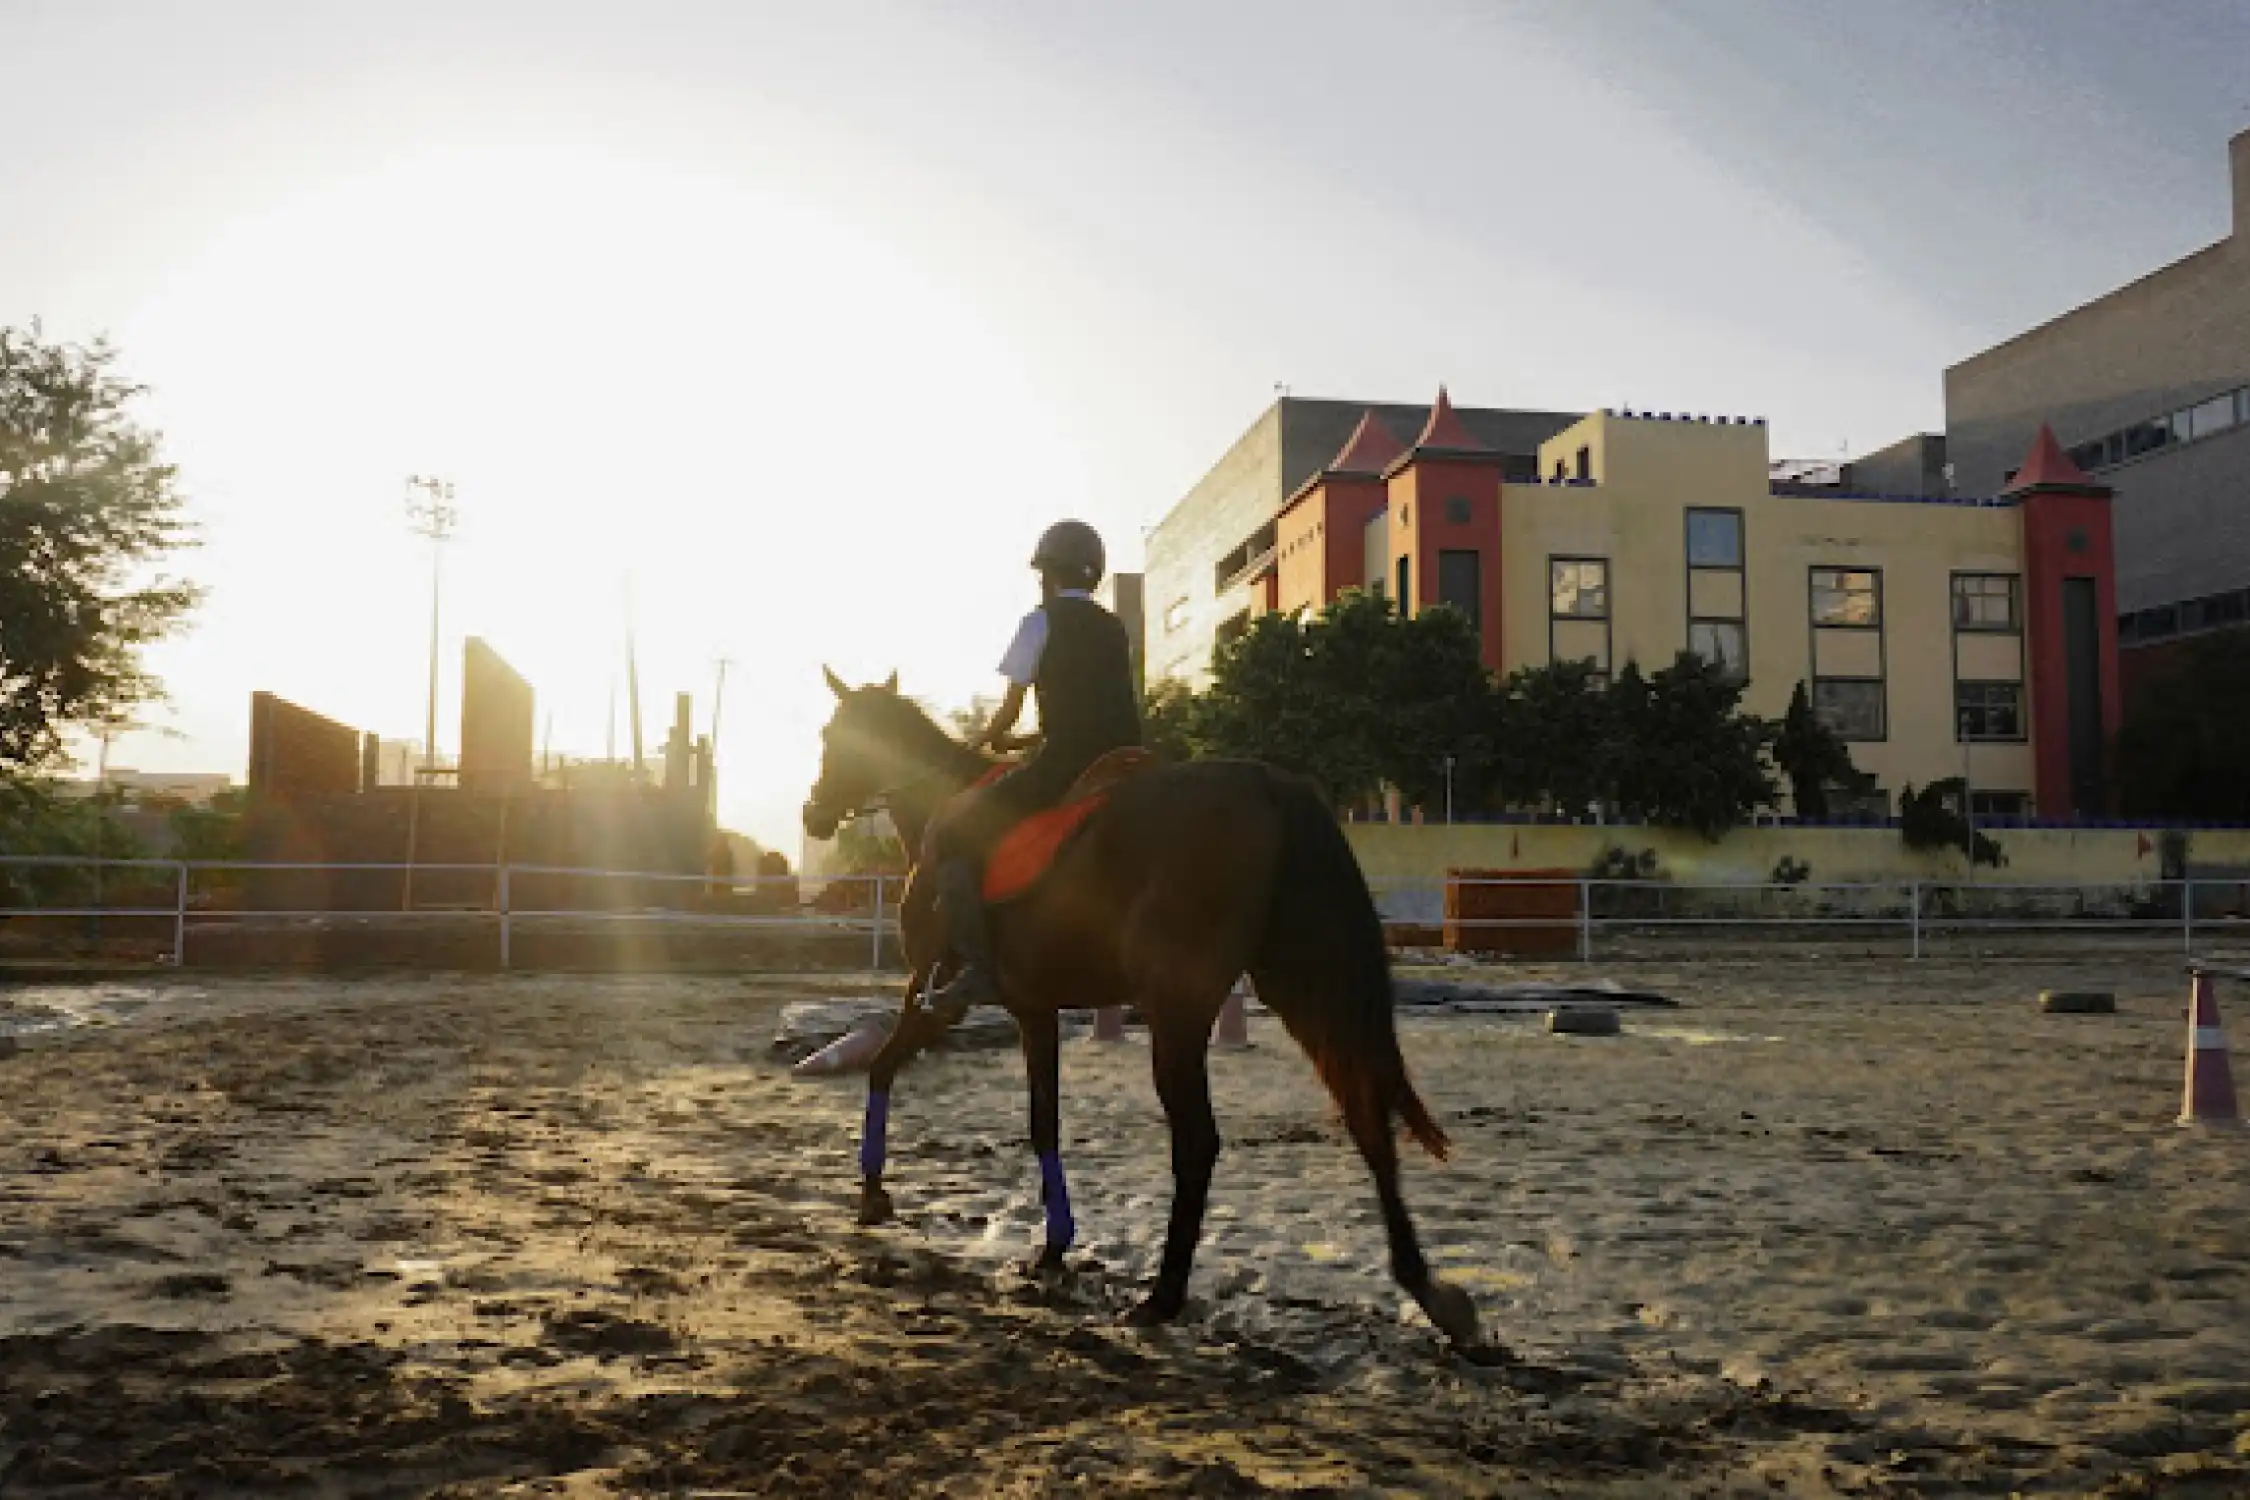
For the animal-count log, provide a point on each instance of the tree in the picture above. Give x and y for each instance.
(1271, 699)
(216, 832)
(36, 820)
(1553, 738)
(1932, 819)
(87, 510)
(1434, 703)
(1694, 759)
(2180, 753)
(1168, 720)
(869, 846)
(1813, 758)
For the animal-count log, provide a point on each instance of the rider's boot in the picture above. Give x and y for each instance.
(960, 896)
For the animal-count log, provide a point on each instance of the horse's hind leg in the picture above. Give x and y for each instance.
(1042, 1066)
(1448, 1307)
(1179, 1042)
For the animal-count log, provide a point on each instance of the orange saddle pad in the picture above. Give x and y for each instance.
(1026, 850)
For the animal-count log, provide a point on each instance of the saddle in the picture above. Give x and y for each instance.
(1026, 851)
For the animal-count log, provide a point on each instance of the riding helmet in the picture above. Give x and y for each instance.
(1073, 549)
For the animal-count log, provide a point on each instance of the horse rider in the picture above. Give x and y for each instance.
(1075, 659)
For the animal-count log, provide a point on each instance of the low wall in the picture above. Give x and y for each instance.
(1395, 854)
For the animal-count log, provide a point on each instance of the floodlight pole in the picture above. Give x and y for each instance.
(430, 514)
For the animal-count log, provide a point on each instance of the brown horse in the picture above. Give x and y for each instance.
(1192, 876)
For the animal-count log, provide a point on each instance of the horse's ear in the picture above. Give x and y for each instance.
(835, 683)
(890, 684)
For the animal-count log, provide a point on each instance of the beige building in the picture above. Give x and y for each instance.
(1941, 637)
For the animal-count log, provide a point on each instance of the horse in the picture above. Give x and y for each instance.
(1193, 875)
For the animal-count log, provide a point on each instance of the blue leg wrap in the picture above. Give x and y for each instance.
(871, 1135)
(1061, 1228)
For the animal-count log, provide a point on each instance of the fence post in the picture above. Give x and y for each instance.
(875, 931)
(1585, 921)
(507, 922)
(1914, 913)
(2187, 915)
(179, 917)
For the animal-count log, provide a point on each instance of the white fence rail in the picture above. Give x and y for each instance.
(1583, 918)
(511, 899)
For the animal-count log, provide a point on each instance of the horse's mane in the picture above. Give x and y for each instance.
(913, 733)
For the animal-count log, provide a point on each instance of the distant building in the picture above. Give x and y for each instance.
(1940, 637)
(196, 787)
(1122, 595)
(2148, 389)
(1205, 570)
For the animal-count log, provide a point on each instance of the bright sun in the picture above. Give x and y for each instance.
(797, 443)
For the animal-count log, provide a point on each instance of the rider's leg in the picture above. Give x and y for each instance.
(960, 898)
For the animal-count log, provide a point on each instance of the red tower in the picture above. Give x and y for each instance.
(1321, 535)
(2070, 629)
(1445, 525)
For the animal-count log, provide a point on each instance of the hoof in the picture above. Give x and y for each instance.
(1154, 1311)
(1453, 1312)
(874, 1206)
(1050, 1260)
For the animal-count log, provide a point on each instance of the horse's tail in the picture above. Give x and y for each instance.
(1323, 967)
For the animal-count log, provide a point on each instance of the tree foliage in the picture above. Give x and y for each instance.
(1167, 720)
(1274, 697)
(36, 819)
(1813, 759)
(87, 510)
(2182, 750)
(1690, 757)
(1358, 699)
(1932, 819)
(1555, 744)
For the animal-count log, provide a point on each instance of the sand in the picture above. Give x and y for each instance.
(1879, 1230)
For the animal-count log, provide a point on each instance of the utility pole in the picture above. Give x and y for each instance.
(718, 706)
(431, 515)
(633, 686)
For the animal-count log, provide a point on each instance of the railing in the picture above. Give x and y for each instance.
(178, 897)
(161, 906)
(1581, 917)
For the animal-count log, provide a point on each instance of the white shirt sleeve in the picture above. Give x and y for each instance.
(1021, 664)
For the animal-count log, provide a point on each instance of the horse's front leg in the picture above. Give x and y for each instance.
(1042, 1066)
(914, 1031)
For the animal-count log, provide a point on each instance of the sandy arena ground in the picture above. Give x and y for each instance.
(1888, 1230)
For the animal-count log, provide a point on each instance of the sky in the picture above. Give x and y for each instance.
(793, 325)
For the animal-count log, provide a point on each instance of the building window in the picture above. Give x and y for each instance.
(1853, 707)
(1986, 806)
(1405, 587)
(1586, 464)
(1457, 510)
(1984, 601)
(1176, 616)
(2188, 424)
(1847, 597)
(1714, 538)
(1579, 588)
(1988, 711)
(1723, 644)
(1717, 592)
(1852, 805)
(2207, 419)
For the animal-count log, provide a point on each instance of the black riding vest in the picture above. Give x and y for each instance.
(1087, 701)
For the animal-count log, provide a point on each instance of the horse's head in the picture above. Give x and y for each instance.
(860, 752)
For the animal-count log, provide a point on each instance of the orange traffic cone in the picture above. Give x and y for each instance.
(2210, 1081)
